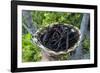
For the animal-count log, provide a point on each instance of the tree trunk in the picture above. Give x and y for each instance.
(78, 54)
(28, 23)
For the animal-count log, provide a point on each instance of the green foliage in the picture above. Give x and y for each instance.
(86, 43)
(30, 52)
(64, 56)
(43, 18)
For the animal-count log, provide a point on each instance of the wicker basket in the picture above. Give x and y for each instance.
(50, 52)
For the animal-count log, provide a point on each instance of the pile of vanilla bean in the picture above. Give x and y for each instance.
(59, 37)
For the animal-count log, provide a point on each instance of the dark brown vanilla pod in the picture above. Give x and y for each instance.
(58, 37)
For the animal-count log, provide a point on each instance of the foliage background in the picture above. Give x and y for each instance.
(43, 18)
(31, 52)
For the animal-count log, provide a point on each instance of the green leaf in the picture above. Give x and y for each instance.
(30, 52)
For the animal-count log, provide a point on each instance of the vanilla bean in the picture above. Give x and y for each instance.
(59, 37)
(67, 38)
